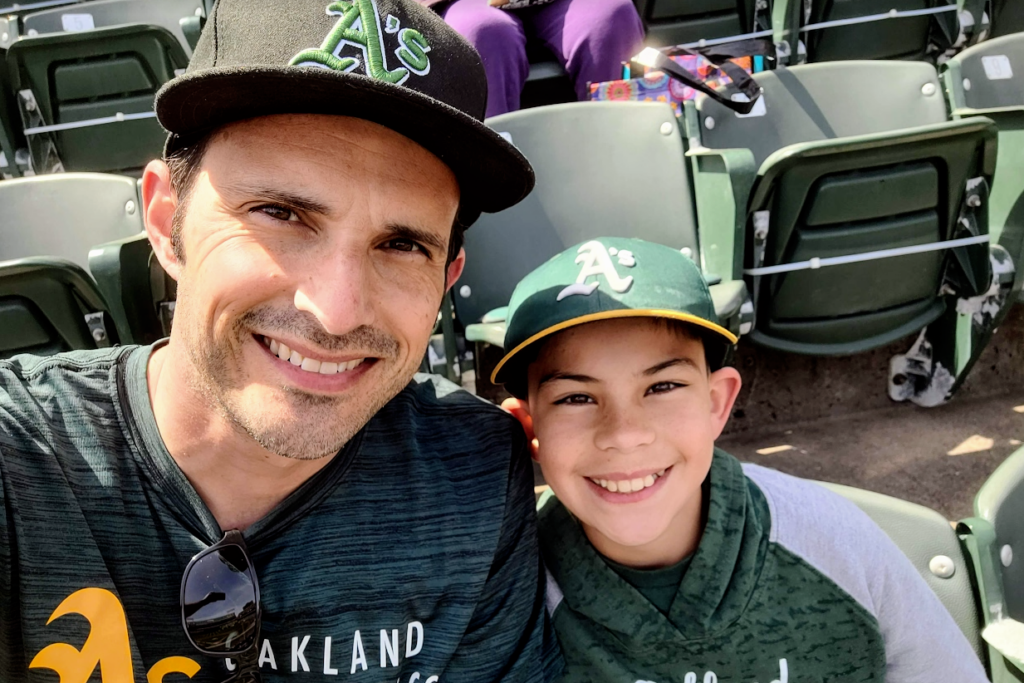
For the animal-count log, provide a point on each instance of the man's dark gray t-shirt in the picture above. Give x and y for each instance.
(411, 557)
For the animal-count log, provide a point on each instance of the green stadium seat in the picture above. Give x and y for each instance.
(915, 32)
(994, 539)
(65, 214)
(138, 291)
(985, 80)
(86, 98)
(183, 18)
(49, 306)
(929, 541)
(675, 22)
(603, 168)
(851, 158)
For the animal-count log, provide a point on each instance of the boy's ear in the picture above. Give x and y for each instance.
(521, 411)
(725, 387)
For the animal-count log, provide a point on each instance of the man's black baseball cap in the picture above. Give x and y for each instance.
(393, 62)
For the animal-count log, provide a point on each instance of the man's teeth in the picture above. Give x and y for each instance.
(282, 351)
(628, 485)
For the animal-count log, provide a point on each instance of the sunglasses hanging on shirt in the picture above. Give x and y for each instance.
(220, 606)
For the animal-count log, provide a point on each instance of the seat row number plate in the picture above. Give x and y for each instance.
(997, 67)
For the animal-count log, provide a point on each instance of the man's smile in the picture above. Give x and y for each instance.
(321, 366)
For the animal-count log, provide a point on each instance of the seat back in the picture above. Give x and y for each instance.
(843, 173)
(674, 22)
(984, 80)
(928, 540)
(92, 79)
(899, 37)
(64, 215)
(139, 293)
(49, 306)
(603, 168)
(103, 13)
(1001, 502)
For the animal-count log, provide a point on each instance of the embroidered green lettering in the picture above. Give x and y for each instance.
(367, 36)
(413, 51)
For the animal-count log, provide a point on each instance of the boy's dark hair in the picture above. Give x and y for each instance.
(184, 163)
(716, 351)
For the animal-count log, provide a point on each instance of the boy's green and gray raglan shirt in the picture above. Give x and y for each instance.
(789, 583)
(411, 557)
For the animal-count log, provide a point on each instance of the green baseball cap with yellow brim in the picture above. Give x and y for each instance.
(604, 279)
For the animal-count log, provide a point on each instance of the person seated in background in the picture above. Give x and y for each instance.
(668, 560)
(590, 38)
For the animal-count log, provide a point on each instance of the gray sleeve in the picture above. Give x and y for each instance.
(922, 642)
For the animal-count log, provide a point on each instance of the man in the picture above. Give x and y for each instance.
(270, 493)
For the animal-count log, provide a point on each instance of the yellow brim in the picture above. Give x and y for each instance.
(610, 315)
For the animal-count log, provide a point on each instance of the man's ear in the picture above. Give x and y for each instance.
(520, 410)
(725, 387)
(158, 206)
(455, 269)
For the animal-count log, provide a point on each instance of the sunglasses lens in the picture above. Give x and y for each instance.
(220, 602)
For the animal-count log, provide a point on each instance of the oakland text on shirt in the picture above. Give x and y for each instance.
(108, 647)
(712, 677)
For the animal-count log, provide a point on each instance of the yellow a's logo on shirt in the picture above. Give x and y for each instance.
(107, 646)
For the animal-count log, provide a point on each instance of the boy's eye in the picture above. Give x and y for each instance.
(278, 213)
(574, 400)
(663, 387)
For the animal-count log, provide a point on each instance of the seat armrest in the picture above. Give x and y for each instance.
(722, 180)
(1006, 659)
(490, 333)
(122, 272)
(728, 298)
(192, 28)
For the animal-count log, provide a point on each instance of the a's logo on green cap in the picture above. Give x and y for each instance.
(359, 29)
(597, 260)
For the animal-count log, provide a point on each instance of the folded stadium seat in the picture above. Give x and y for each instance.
(138, 291)
(86, 98)
(183, 18)
(931, 544)
(852, 158)
(867, 29)
(984, 80)
(994, 539)
(64, 215)
(48, 306)
(674, 22)
(603, 168)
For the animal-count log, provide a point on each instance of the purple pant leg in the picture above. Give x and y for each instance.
(499, 38)
(591, 37)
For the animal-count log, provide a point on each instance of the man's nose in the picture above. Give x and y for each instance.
(337, 291)
(623, 428)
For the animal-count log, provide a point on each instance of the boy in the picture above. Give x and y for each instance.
(667, 559)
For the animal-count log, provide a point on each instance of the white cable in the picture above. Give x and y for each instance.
(116, 118)
(891, 14)
(816, 263)
(728, 39)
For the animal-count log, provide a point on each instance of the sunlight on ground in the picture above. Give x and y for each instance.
(973, 444)
(773, 449)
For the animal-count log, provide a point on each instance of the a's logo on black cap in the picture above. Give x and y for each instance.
(357, 41)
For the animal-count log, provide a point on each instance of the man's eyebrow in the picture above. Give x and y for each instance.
(279, 196)
(425, 237)
(672, 362)
(555, 376)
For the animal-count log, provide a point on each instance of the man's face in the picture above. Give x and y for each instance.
(626, 416)
(314, 266)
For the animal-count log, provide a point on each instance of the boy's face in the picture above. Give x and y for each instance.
(626, 416)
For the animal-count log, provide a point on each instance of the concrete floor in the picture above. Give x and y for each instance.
(831, 419)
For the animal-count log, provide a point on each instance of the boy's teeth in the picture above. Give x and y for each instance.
(281, 350)
(629, 485)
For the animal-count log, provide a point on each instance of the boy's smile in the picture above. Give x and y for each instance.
(626, 415)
